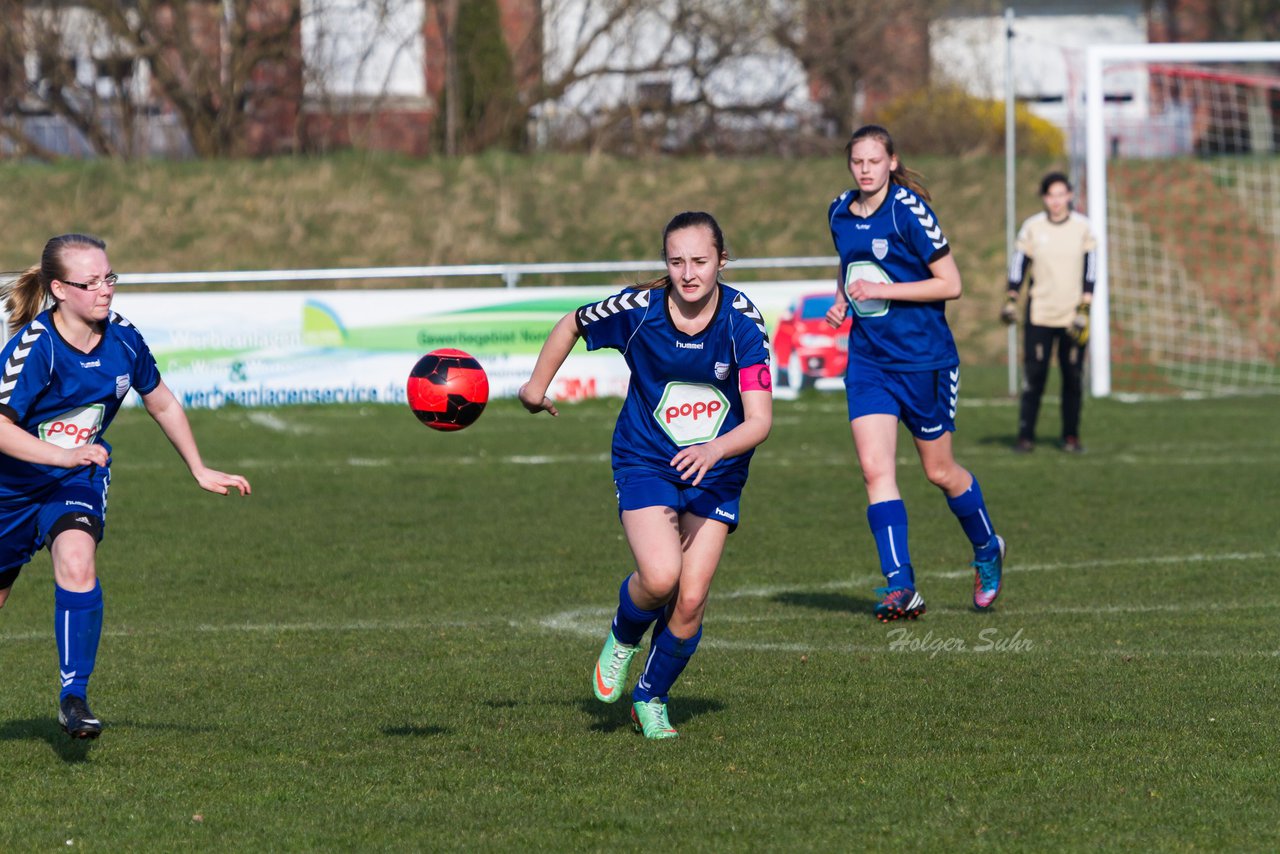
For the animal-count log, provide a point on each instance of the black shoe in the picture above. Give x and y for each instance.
(1024, 446)
(1071, 445)
(76, 719)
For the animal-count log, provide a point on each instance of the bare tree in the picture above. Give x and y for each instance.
(1216, 20)
(855, 51)
(647, 73)
(361, 62)
(447, 19)
(100, 65)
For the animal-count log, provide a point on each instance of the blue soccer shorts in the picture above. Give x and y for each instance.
(29, 522)
(925, 401)
(641, 487)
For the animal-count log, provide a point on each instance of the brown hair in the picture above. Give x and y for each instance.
(30, 293)
(688, 219)
(902, 176)
(1054, 178)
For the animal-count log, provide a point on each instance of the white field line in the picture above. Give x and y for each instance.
(276, 424)
(274, 628)
(1252, 454)
(1111, 562)
(380, 462)
(588, 622)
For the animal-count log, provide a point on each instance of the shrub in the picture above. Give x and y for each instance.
(950, 122)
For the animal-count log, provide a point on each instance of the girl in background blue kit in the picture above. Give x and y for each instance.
(699, 402)
(67, 367)
(896, 274)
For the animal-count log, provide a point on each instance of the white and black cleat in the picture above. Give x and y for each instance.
(76, 719)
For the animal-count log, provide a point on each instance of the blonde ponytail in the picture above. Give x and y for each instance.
(25, 297)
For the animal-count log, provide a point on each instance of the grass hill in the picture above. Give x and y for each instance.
(357, 210)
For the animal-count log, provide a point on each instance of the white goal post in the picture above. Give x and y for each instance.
(1194, 323)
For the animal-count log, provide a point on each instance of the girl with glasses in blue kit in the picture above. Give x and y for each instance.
(68, 365)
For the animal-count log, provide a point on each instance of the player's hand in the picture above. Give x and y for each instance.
(696, 460)
(861, 289)
(836, 314)
(85, 455)
(1078, 331)
(535, 402)
(1009, 311)
(222, 483)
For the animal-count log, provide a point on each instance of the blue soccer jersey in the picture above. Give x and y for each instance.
(63, 396)
(897, 243)
(684, 389)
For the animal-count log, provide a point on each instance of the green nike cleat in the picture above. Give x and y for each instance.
(611, 669)
(651, 719)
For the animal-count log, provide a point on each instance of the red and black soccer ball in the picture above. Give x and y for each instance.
(448, 389)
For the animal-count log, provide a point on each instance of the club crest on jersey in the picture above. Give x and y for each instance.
(73, 429)
(722, 370)
(690, 413)
(879, 248)
(122, 386)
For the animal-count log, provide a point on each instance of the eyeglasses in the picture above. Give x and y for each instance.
(110, 279)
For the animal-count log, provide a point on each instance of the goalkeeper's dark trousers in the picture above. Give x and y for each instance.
(1038, 344)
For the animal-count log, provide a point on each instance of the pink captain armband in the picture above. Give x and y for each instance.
(755, 378)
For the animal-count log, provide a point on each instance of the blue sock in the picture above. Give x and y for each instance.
(888, 521)
(971, 510)
(667, 659)
(631, 622)
(78, 626)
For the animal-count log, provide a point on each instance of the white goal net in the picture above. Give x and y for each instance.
(1183, 185)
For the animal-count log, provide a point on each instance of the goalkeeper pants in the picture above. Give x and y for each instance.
(1038, 345)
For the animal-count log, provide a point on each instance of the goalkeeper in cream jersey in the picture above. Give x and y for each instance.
(68, 365)
(896, 274)
(1055, 251)
(698, 404)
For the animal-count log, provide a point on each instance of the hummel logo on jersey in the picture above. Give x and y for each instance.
(96, 363)
(731, 517)
(861, 226)
(690, 345)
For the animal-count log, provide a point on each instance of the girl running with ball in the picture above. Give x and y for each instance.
(699, 402)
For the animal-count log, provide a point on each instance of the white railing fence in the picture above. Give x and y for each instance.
(511, 275)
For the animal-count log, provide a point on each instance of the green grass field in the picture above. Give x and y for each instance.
(388, 646)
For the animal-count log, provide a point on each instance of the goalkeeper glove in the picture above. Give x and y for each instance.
(1078, 331)
(1009, 313)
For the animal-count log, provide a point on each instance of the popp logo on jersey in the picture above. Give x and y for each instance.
(73, 429)
(872, 272)
(690, 412)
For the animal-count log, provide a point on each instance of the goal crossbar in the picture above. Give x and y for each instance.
(1096, 151)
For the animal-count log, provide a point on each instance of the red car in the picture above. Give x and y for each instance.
(802, 338)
